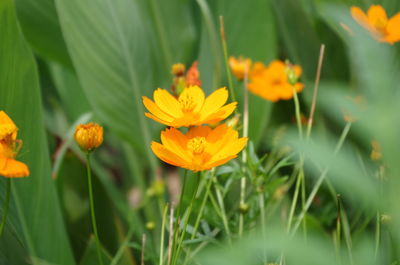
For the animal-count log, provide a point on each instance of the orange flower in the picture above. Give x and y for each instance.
(190, 108)
(89, 136)
(201, 148)
(377, 22)
(9, 146)
(272, 82)
(239, 66)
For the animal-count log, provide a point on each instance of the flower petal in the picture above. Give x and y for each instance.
(166, 155)
(155, 110)
(213, 102)
(393, 29)
(196, 95)
(11, 168)
(7, 126)
(167, 103)
(222, 113)
(359, 16)
(200, 131)
(376, 15)
(176, 142)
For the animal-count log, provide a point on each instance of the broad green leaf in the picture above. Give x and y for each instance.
(39, 23)
(109, 45)
(35, 199)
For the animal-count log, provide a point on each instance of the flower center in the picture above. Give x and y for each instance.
(186, 102)
(197, 145)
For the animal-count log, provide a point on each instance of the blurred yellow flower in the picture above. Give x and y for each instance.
(377, 22)
(9, 147)
(201, 148)
(272, 82)
(239, 66)
(190, 108)
(89, 136)
(376, 153)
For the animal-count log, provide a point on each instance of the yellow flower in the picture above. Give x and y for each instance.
(89, 136)
(376, 21)
(272, 82)
(201, 148)
(9, 146)
(190, 108)
(239, 66)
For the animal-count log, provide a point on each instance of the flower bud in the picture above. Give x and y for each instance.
(89, 136)
(150, 225)
(178, 69)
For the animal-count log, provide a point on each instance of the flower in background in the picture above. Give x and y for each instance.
(89, 136)
(376, 153)
(201, 148)
(9, 147)
(377, 22)
(190, 108)
(239, 66)
(276, 81)
(182, 79)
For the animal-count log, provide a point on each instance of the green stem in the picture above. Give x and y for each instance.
(164, 218)
(94, 223)
(262, 219)
(297, 110)
(295, 198)
(187, 219)
(6, 206)
(223, 212)
(321, 178)
(203, 204)
(377, 234)
(225, 50)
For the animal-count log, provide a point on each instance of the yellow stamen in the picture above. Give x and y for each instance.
(197, 145)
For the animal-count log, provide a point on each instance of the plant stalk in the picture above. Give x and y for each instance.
(6, 206)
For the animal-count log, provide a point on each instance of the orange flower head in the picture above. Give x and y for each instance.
(201, 148)
(9, 147)
(239, 66)
(382, 28)
(190, 108)
(273, 82)
(89, 136)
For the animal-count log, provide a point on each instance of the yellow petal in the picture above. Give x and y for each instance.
(200, 131)
(176, 142)
(359, 16)
(228, 150)
(7, 126)
(196, 95)
(11, 168)
(167, 103)
(376, 15)
(213, 102)
(393, 29)
(221, 114)
(151, 116)
(155, 110)
(166, 155)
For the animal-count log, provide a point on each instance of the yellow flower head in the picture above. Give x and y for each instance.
(272, 82)
(190, 108)
(239, 66)
(9, 146)
(201, 148)
(377, 22)
(89, 136)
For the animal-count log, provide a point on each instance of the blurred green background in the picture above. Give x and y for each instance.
(64, 62)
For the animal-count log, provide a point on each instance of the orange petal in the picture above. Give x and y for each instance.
(175, 141)
(167, 156)
(359, 16)
(7, 126)
(376, 15)
(200, 131)
(222, 114)
(167, 103)
(11, 168)
(393, 29)
(214, 101)
(155, 110)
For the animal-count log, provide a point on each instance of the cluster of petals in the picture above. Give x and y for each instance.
(274, 82)
(201, 148)
(239, 66)
(190, 108)
(377, 22)
(9, 145)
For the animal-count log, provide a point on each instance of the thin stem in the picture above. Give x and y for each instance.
(315, 93)
(94, 223)
(171, 233)
(244, 153)
(225, 50)
(321, 178)
(295, 198)
(223, 212)
(143, 248)
(164, 218)
(377, 234)
(6, 206)
(203, 204)
(262, 219)
(297, 110)
(187, 219)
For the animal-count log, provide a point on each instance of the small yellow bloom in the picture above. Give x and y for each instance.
(190, 108)
(272, 82)
(9, 146)
(178, 69)
(376, 21)
(89, 136)
(201, 148)
(239, 66)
